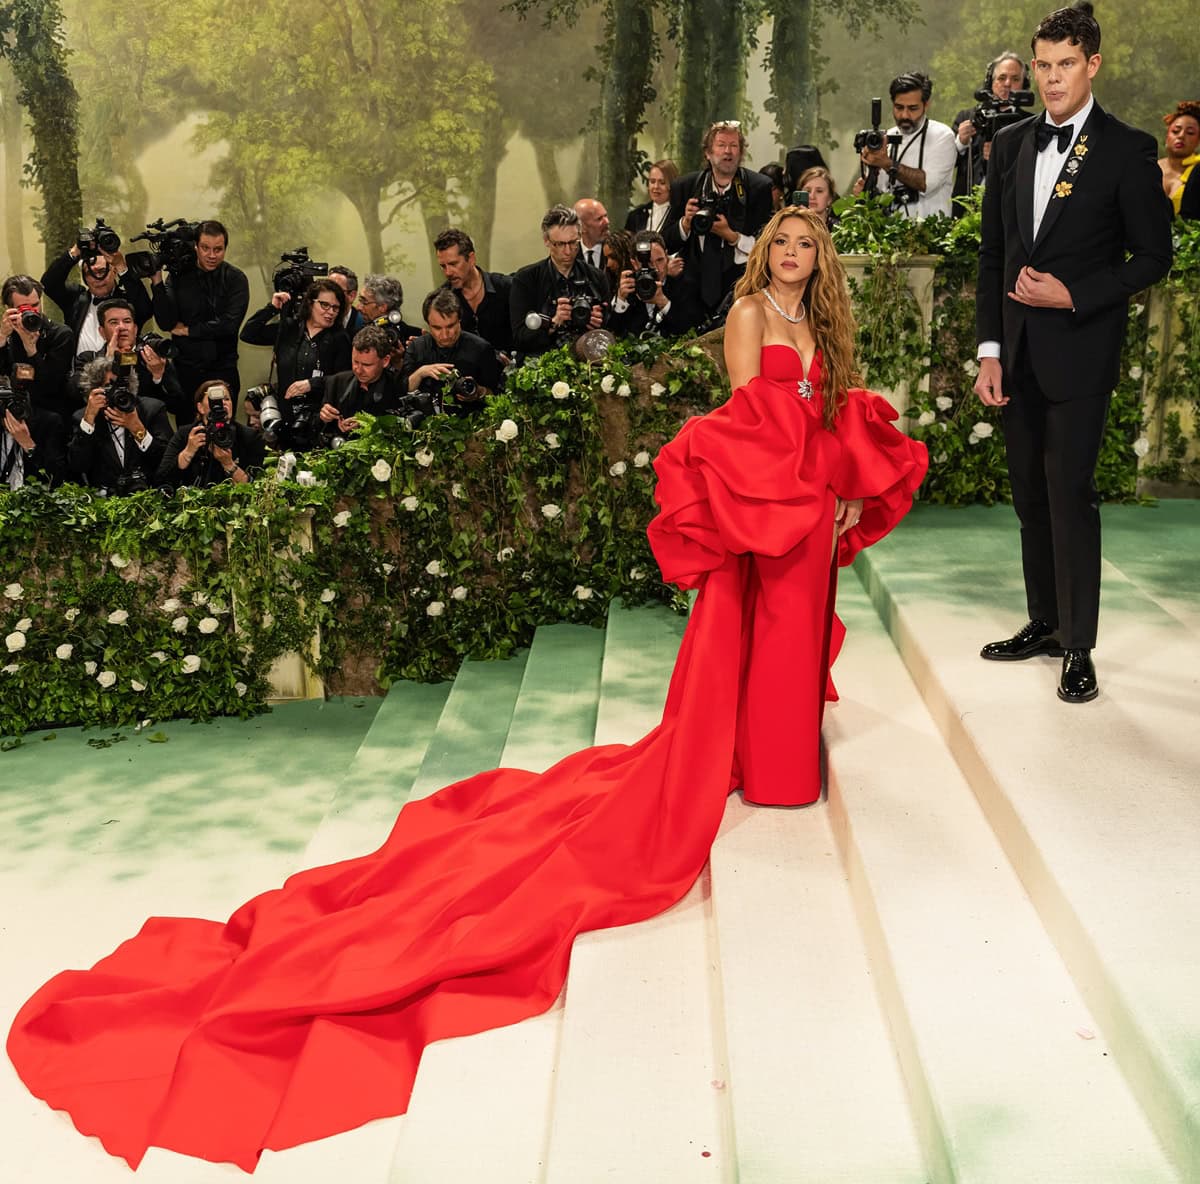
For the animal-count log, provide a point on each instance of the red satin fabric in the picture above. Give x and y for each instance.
(307, 1012)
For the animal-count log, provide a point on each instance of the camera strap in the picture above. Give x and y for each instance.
(14, 460)
(899, 157)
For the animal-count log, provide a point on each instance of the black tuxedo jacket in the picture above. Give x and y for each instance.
(93, 459)
(1106, 234)
(74, 299)
(536, 288)
(685, 312)
(47, 460)
(638, 219)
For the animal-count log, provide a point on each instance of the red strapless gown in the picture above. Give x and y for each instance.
(307, 1011)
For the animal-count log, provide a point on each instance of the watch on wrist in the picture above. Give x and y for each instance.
(139, 434)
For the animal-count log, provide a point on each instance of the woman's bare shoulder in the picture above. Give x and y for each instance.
(746, 314)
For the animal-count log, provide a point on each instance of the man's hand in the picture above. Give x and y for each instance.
(858, 186)
(435, 370)
(279, 299)
(562, 311)
(625, 286)
(966, 132)
(156, 365)
(97, 401)
(196, 440)
(19, 430)
(685, 222)
(876, 158)
(1039, 289)
(12, 321)
(117, 262)
(989, 384)
(723, 230)
(299, 388)
(987, 150)
(597, 317)
(660, 297)
(223, 456)
(129, 420)
(346, 426)
(674, 265)
(329, 413)
(180, 330)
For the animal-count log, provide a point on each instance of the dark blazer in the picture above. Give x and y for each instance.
(470, 355)
(684, 313)
(169, 390)
(248, 450)
(53, 388)
(297, 356)
(211, 304)
(74, 299)
(536, 288)
(47, 461)
(92, 459)
(638, 219)
(1112, 206)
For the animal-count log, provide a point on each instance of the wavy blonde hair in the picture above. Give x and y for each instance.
(826, 301)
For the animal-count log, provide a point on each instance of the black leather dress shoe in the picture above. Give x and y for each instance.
(1078, 682)
(1035, 638)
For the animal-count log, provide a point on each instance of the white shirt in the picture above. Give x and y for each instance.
(90, 337)
(12, 458)
(1046, 171)
(658, 215)
(937, 162)
(595, 256)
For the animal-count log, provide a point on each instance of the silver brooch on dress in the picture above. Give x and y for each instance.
(804, 388)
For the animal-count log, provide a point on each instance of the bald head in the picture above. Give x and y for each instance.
(593, 220)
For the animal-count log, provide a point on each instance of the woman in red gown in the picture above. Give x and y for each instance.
(307, 1011)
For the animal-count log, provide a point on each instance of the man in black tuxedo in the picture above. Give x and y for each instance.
(671, 311)
(1005, 74)
(717, 257)
(1074, 223)
(31, 440)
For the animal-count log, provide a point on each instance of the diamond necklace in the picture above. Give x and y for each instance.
(790, 319)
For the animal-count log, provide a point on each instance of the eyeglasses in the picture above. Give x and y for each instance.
(327, 305)
(560, 243)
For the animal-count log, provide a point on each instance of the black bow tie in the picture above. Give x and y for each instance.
(1046, 132)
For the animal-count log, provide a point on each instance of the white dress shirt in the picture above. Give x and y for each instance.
(937, 162)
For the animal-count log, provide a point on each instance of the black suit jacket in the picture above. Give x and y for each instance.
(92, 459)
(47, 460)
(684, 313)
(53, 388)
(205, 470)
(536, 288)
(638, 219)
(1106, 234)
(74, 299)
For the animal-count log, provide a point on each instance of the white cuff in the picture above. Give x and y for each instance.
(988, 349)
(146, 440)
(620, 304)
(741, 252)
(86, 428)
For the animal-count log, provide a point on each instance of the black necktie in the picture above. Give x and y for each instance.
(1046, 132)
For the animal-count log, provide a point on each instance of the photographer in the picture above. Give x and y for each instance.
(309, 341)
(974, 127)
(118, 335)
(347, 280)
(202, 308)
(459, 366)
(482, 295)
(649, 298)
(28, 338)
(119, 437)
(719, 212)
(31, 440)
(562, 294)
(212, 449)
(370, 385)
(916, 162)
(380, 299)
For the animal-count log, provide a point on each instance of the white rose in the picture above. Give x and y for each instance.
(926, 418)
(435, 608)
(410, 503)
(118, 617)
(1135, 372)
(641, 459)
(15, 641)
(118, 561)
(983, 430)
(12, 668)
(180, 624)
(71, 614)
(172, 606)
(637, 573)
(199, 598)
(381, 471)
(970, 368)
(623, 390)
(14, 591)
(582, 592)
(209, 625)
(64, 651)
(551, 511)
(306, 478)
(1137, 309)
(434, 568)
(607, 383)
(560, 390)
(459, 593)
(972, 439)
(618, 469)
(657, 390)
(159, 656)
(191, 663)
(24, 625)
(341, 518)
(106, 678)
(137, 686)
(241, 689)
(943, 402)
(89, 667)
(1141, 446)
(507, 430)
(552, 440)
(504, 554)
(423, 457)
(456, 490)
(388, 568)
(327, 595)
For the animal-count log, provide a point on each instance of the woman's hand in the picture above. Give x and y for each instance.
(847, 514)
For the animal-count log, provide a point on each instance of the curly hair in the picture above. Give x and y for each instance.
(620, 248)
(1188, 107)
(826, 302)
(1075, 25)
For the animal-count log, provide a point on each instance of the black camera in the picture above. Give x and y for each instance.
(218, 424)
(582, 302)
(163, 346)
(270, 419)
(993, 113)
(135, 481)
(92, 240)
(14, 400)
(118, 391)
(392, 323)
(415, 408)
(711, 208)
(874, 137)
(645, 278)
(296, 272)
(172, 245)
(32, 321)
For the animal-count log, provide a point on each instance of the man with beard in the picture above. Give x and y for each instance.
(918, 168)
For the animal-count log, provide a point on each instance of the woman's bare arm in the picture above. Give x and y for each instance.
(743, 341)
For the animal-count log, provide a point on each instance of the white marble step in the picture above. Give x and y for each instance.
(1011, 1077)
(1095, 805)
